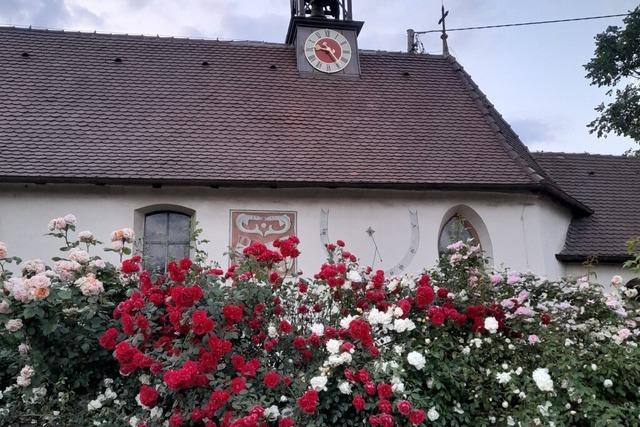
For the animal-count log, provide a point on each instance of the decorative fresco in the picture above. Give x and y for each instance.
(261, 226)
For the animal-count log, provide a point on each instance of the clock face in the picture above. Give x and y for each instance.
(327, 51)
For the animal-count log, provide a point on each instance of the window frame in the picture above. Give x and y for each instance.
(167, 242)
(467, 226)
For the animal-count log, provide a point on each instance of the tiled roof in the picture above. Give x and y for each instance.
(82, 107)
(610, 185)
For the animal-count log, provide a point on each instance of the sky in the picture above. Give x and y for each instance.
(533, 75)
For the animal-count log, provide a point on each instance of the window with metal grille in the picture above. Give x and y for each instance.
(166, 238)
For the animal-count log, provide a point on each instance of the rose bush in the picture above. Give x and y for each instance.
(50, 317)
(256, 344)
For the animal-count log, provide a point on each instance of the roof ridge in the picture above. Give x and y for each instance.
(538, 176)
(45, 30)
(486, 108)
(141, 36)
(584, 154)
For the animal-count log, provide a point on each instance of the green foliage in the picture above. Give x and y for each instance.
(633, 248)
(58, 339)
(616, 63)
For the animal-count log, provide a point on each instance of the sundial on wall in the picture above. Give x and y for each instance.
(369, 233)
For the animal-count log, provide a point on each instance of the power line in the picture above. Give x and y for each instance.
(520, 24)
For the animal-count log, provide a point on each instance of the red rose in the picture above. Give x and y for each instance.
(363, 376)
(340, 243)
(271, 379)
(274, 277)
(286, 422)
(545, 318)
(238, 384)
(131, 265)
(127, 324)
(386, 420)
(185, 263)
(385, 391)
(108, 340)
(308, 402)
(201, 322)
(384, 406)
(197, 415)
(361, 330)
(405, 305)
(251, 367)
(404, 407)
(443, 292)
(358, 402)
(148, 396)
(436, 315)
(424, 296)
(233, 313)
(285, 326)
(370, 388)
(416, 417)
(216, 272)
(424, 280)
(176, 420)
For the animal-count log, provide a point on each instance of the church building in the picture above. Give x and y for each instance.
(398, 154)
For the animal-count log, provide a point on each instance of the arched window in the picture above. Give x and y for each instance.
(456, 229)
(166, 237)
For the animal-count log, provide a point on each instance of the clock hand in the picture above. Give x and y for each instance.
(327, 49)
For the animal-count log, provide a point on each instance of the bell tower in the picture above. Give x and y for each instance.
(325, 37)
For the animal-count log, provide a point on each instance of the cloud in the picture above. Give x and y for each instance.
(533, 130)
(34, 12)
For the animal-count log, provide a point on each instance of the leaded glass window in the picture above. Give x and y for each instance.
(455, 230)
(166, 238)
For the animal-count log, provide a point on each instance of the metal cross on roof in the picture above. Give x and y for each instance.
(444, 36)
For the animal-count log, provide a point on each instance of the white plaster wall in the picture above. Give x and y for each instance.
(526, 230)
(601, 273)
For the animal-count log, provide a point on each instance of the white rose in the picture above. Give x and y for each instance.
(86, 237)
(433, 414)
(416, 359)
(23, 349)
(318, 329)
(89, 285)
(543, 379)
(117, 245)
(97, 264)
(354, 276)
(319, 383)
(346, 321)
(272, 413)
(5, 308)
(401, 325)
(13, 325)
(272, 331)
(491, 325)
(607, 383)
(3, 250)
(616, 280)
(24, 378)
(79, 255)
(503, 377)
(70, 219)
(344, 387)
(333, 346)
